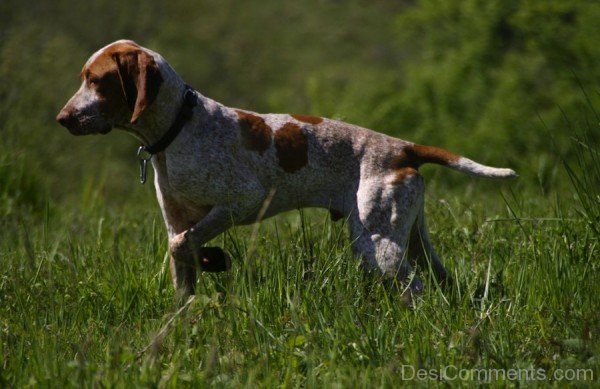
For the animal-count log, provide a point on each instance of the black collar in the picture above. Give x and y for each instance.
(190, 100)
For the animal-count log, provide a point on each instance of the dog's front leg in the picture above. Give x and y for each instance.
(188, 253)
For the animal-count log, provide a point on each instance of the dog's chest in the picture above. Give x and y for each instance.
(181, 202)
(179, 214)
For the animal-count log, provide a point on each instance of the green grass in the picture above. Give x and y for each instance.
(86, 297)
(85, 291)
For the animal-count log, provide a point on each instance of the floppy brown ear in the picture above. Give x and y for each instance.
(140, 80)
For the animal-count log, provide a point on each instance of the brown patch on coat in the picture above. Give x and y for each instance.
(124, 75)
(412, 157)
(256, 134)
(420, 154)
(102, 76)
(308, 119)
(292, 147)
(416, 155)
(110, 98)
(402, 174)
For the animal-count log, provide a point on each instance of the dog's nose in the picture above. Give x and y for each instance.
(64, 118)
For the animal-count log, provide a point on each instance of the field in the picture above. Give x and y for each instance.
(85, 292)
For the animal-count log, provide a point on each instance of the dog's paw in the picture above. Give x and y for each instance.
(209, 259)
(214, 259)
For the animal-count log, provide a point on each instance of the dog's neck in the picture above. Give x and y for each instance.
(160, 116)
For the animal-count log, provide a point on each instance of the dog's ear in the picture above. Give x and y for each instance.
(140, 80)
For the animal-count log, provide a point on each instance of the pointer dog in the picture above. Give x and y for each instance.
(216, 166)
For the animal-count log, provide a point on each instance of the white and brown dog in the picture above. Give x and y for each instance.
(216, 166)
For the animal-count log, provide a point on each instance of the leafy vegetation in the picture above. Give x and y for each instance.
(85, 291)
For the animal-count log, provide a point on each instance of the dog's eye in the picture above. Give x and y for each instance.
(93, 80)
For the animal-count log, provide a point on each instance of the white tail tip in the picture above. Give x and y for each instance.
(471, 167)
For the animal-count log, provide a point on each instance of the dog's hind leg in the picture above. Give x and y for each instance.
(422, 251)
(380, 229)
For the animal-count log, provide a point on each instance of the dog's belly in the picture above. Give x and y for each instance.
(306, 189)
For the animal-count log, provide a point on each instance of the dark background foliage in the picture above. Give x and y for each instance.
(502, 81)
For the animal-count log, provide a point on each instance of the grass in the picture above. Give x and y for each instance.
(81, 296)
(86, 297)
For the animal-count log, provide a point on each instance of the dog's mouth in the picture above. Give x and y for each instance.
(79, 131)
(108, 128)
(87, 125)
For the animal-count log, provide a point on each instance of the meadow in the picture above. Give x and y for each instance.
(86, 298)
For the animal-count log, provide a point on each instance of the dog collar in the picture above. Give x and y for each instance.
(145, 153)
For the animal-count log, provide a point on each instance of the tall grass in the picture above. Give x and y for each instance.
(86, 298)
(584, 174)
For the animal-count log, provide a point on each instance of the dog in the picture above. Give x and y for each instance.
(216, 167)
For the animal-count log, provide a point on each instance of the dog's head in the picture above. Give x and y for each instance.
(118, 83)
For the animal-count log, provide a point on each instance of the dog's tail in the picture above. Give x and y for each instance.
(419, 154)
